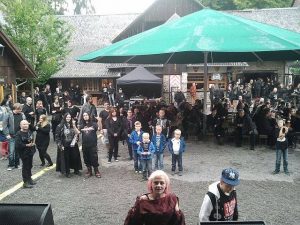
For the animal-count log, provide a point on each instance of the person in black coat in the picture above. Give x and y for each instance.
(42, 139)
(28, 111)
(88, 129)
(56, 115)
(39, 110)
(244, 126)
(68, 155)
(179, 97)
(25, 147)
(114, 127)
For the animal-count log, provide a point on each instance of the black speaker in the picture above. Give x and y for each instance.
(233, 222)
(26, 214)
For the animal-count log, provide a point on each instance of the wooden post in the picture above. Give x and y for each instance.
(1, 92)
(13, 93)
(32, 94)
(205, 92)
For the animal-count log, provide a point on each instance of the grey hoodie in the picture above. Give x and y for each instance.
(4, 119)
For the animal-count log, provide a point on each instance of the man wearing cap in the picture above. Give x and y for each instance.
(220, 202)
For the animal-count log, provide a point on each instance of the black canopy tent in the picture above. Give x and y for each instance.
(140, 82)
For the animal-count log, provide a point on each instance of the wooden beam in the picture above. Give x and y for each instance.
(1, 92)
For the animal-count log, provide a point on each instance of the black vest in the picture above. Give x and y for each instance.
(224, 207)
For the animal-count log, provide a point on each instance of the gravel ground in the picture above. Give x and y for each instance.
(77, 201)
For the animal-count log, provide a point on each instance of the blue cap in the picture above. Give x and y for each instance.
(230, 176)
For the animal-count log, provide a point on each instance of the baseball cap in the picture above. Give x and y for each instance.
(230, 176)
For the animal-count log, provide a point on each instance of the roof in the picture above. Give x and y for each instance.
(287, 18)
(173, 7)
(91, 32)
(22, 67)
(139, 76)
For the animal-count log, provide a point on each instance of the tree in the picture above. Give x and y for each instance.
(40, 35)
(219, 4)
(245, 4)
(59, 6)
(260, 4)
(83, 5)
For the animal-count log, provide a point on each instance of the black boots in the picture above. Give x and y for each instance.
(27, 185)
(89, 172)
(97, 173)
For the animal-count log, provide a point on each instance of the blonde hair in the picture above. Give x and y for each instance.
(159, 173)
(145, 135)
(137, 123)
(45, 120)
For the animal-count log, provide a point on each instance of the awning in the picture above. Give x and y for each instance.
(139, 76)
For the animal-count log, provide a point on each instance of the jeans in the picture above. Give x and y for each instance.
(137, 161)
(281, 149)
(111, 98)
(158, 163)
(177, 159)
(146, 167)
(14, 159)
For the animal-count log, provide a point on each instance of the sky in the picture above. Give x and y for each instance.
(104, 7)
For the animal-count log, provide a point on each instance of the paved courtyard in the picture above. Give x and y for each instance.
(105, 201)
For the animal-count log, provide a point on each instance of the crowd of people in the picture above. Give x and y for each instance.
(149, 129)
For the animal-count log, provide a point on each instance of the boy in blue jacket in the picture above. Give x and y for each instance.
(145, 151)
(135, 139)
(176, 147)
(159, 142)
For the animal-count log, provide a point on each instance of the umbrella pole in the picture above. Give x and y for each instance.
(205, 92)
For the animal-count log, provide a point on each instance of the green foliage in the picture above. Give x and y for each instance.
(245, 4)
(219, 4)
(81, 5)
(260, 4)
(40, 35)
(59, 6)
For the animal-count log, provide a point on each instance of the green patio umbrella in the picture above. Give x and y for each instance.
(202, 37)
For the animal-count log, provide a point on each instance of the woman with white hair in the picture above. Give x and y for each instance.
(159, 206)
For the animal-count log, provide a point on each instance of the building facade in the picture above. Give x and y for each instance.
(94, 32)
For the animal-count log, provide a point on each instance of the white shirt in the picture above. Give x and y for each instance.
(176, 146)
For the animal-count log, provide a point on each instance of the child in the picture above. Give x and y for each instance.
(163, 121)
(26, 149)
(135, 139)
(281, 148)
(176, 147)
(159, 142)
(145, 151)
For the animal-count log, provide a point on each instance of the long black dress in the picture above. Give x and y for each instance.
(70, 159)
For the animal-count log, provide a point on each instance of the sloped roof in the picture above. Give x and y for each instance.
(22, 67)
(287, 18)
(139, 76)
(172, 6)
(91, 32)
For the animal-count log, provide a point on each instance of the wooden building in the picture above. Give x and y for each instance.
(92, 32)
(13, 66)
